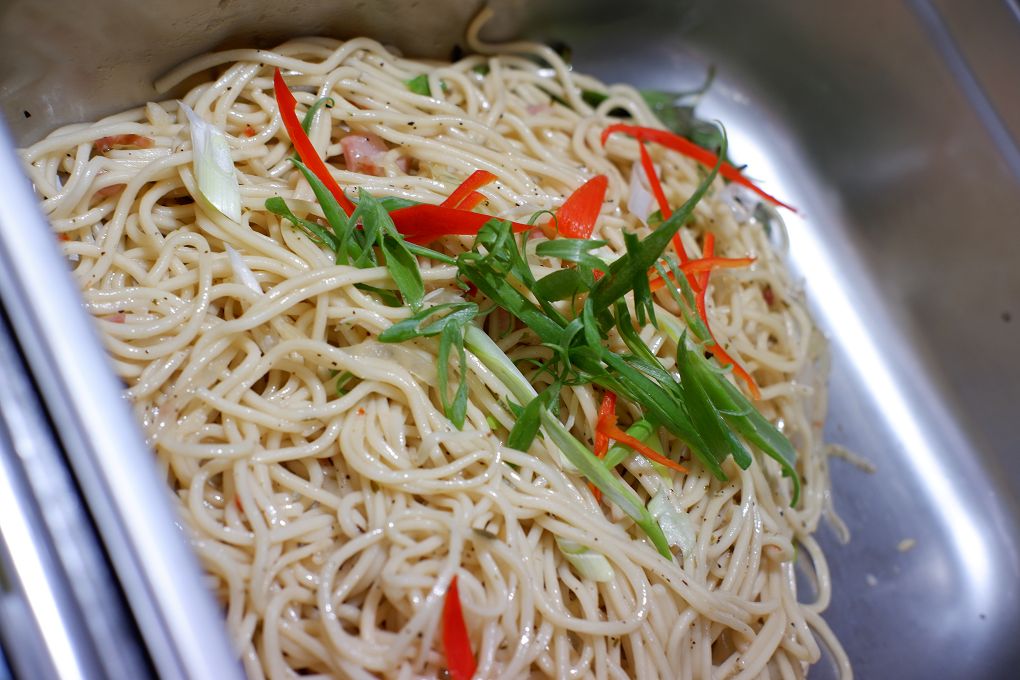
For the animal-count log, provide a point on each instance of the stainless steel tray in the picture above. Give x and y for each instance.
(893, 126)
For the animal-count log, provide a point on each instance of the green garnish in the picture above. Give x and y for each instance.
(306, 122)
(356, 247)
(450, 328)
(420, 85)
(342, 378)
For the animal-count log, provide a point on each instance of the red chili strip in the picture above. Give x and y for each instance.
(286, 103)
(472, 201)
(702, 288)
(691, 150)
(607, 411)
(428, 222)
(610, 430)
(700, 266)
(460, 661)
(660, 198)
(477, 179)
(576, 217)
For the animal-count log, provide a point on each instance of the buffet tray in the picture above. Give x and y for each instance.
(892, 127)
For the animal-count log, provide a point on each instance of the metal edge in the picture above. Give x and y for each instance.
(175, 612)
(51, 548)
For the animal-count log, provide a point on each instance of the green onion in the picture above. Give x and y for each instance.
(735, 409)
(419, 85)
(387, 296)
(675, 523)
(526, 427)
(450, 329)
(489, 353)
(315, 231)
(214, 168)
(306, 122)
(342, 378)
(588, 563)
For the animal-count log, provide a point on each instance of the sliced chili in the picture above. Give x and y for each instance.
(691, 150)
(426, 222)
(607, 411)
(471, 201)
(476, 180)
(460, 661)
(286, 104)
(701, 266)
(609, 429)
(576, 217)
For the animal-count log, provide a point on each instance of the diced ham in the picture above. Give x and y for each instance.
(114, 318)
(362, 153)
(104, 144)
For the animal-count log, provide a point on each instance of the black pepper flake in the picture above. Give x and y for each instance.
(1006, 317)
(27, 113)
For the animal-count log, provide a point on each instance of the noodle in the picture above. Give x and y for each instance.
(330, 521)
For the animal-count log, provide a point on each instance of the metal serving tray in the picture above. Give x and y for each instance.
(892, 126)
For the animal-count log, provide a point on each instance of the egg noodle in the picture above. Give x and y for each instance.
(330, 518)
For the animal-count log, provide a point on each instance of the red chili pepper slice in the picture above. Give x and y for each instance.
(701, 266)
(471, 201)
(609, 429)
(691, 150)
(286, 103)
(607, 410)
(426, 222)
(660, 198)
(477, 179)
(460, 661)
(576, 217)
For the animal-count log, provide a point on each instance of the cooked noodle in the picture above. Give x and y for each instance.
(331, 524)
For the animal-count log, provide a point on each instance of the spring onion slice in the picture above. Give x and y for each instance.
(675, 523)
(214, 168)
(588, 563)
(579, 455)
(242, 273)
